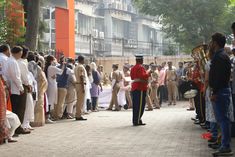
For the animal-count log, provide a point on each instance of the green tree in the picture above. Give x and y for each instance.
(3, 31)
(170, 50)
(191, 22)
(11, 31)
(232, 2)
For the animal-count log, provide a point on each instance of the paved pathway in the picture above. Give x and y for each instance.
(169, 133)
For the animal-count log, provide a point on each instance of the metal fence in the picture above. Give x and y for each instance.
(119, 47)
(124, 47)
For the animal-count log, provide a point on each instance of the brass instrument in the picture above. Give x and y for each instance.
(199, 54)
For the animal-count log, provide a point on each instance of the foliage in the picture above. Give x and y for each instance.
(42, 29)
(169, 50)
(11, 31)
(3, 31)
(232, 3)
(191, 22)
(3, 24)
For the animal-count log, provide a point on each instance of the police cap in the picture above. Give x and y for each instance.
(139, 56)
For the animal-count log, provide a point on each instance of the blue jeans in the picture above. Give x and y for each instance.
(214, 130)
(94, 102)
(221, 108)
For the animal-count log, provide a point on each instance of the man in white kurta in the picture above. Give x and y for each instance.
(17, 89)
(27, 96)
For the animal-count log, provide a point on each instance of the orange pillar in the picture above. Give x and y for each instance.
(65, 29)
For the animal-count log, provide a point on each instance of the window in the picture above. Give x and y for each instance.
(85, 24)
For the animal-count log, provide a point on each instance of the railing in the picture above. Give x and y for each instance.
(123, 47)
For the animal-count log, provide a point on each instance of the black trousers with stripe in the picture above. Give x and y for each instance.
(200, 106)
(139, 99)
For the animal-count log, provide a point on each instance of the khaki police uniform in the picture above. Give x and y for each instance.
(154, 88)
(171, 85)
(116, 78)
(79, 72)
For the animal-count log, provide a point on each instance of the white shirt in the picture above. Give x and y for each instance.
(14, 76)
(52, 71)
(3, 65)
(23, 65)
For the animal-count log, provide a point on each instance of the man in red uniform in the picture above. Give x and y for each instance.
(199, 100)
(138, 90)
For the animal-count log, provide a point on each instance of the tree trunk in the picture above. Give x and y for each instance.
(33, 15)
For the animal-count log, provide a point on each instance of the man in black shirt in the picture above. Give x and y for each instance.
(219, 76)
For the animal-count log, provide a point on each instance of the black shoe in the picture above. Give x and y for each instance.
(125, 107)
(214, 145)
(150, 109)
(22, 131)
(12, 140)
(212, 140)
(156, 108)
(141, 123)
(204, 127)
(190, 109)
(81, 119)
(16, 135)
(194, 119)
(203, 123)
(63, 117)
(223, 152)
(197, 122)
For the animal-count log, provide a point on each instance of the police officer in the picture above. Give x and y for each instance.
(149, 91)
(154, 86)
(80, 74)
(171, 78)
(116, 79)
(139, 88)
(126, 72)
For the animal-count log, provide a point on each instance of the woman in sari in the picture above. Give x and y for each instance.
(39, 112)
(3, 127)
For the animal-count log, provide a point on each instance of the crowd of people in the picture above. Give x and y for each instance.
(36, 89)
(214, 100)
(162, 85)
(209, 80)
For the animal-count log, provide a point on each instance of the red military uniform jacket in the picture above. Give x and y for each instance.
(196, 79)
(139, 73)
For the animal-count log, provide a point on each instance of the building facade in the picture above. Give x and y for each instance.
(110, 28)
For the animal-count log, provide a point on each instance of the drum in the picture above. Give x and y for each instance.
(188, 89)
(190, 94)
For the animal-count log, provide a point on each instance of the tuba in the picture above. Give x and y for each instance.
(199, 54)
